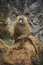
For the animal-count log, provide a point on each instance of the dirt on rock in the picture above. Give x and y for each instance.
(27, 54)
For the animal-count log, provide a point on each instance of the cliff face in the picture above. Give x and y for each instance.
(33, 9)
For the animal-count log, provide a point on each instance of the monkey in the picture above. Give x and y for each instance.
(19, 27)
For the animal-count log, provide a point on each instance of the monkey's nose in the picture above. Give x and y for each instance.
(21, 21)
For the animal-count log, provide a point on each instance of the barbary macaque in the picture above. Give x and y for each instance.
(19, 27)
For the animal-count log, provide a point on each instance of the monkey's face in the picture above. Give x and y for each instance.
(19, 27)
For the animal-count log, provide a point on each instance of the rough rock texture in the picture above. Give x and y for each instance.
(37, 21)
(25, 52)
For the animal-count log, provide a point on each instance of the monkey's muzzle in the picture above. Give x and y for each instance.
(21, 22)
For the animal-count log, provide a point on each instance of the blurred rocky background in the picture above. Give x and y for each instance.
(33, 9)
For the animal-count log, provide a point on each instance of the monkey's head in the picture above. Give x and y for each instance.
(19, 27)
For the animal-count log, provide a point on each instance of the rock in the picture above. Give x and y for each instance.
(37, 26)
(26, 54)
(35, 8)
(3, 47)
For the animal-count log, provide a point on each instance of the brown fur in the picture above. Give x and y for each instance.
(16, 30)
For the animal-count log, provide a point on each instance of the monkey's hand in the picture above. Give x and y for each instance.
(22, 37)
